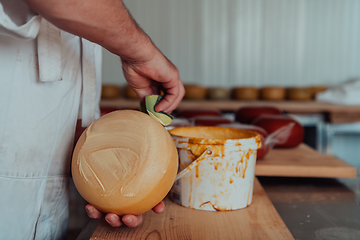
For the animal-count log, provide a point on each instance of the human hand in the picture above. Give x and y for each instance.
(116, 220)
(152, 75)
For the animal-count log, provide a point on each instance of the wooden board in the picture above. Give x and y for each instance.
(303, 161)
(258, 221)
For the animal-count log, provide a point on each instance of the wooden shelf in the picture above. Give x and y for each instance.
(336, 113)
(303, 161)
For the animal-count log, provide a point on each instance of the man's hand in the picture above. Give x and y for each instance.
(116, 221)
(153, 75)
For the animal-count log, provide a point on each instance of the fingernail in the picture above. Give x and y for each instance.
(131, 220)
(89, 209)
(110, 219)
(159, 109)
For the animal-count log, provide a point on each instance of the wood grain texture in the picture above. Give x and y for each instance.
(258, 221)
(344, 117)
(303, 161)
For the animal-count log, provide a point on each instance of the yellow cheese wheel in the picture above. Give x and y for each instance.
(109, 91)
(130, 93)
(218, 93)
(194, 92)
(316, 89)
(273, 93)
(125, 163)
(246, 93)
(299, 94)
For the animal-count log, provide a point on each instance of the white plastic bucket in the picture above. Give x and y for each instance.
(216, 169)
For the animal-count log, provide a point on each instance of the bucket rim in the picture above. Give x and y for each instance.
(254, 137)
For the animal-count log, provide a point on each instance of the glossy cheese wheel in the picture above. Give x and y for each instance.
(109, 91)
(246, 93)
(218, 93)
(273, 93)
(125, 163)
(210, 120)
(316, 89)
(194, 92)
(195, 112)
(271, 123)
(248, 114)
(130, 93)
(299, 94)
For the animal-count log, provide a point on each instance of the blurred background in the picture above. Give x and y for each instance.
(251, 42)
(232, 43)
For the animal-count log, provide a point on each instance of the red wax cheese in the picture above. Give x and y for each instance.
(210, 120)
(195, 112)
(248, 114)
(272, 123)
(106, 110)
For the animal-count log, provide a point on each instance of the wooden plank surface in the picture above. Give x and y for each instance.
(344, 117)
(303, 161)
(258, 221)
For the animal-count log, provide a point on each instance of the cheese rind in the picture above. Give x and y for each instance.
(125, 163)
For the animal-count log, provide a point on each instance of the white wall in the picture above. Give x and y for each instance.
(251, 42)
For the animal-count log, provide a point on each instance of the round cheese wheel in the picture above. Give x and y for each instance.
(273, 93)
(246, 93)
(271, 123)
(130, 93)
(109, 91)
(298, 94)
(248, 114)
(194, 92)
(125, 163)
(210, 120)
(195, 112)
(316, 89)
(218, 93)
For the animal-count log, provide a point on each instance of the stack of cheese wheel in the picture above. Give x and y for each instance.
(218, 93)
(210, 120)
(130, 93)
(195, 92)
(195, 112)
(125, 163)
(246, 93)
(316, 89)
(110, 91)
(299, 94)
(273, 93)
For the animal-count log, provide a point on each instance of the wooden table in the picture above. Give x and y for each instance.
(260, 221)
(303, 161)
(334, 113)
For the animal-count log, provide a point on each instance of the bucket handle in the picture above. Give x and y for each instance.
(207, 152)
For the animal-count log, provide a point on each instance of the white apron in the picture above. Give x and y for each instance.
(42, 86)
